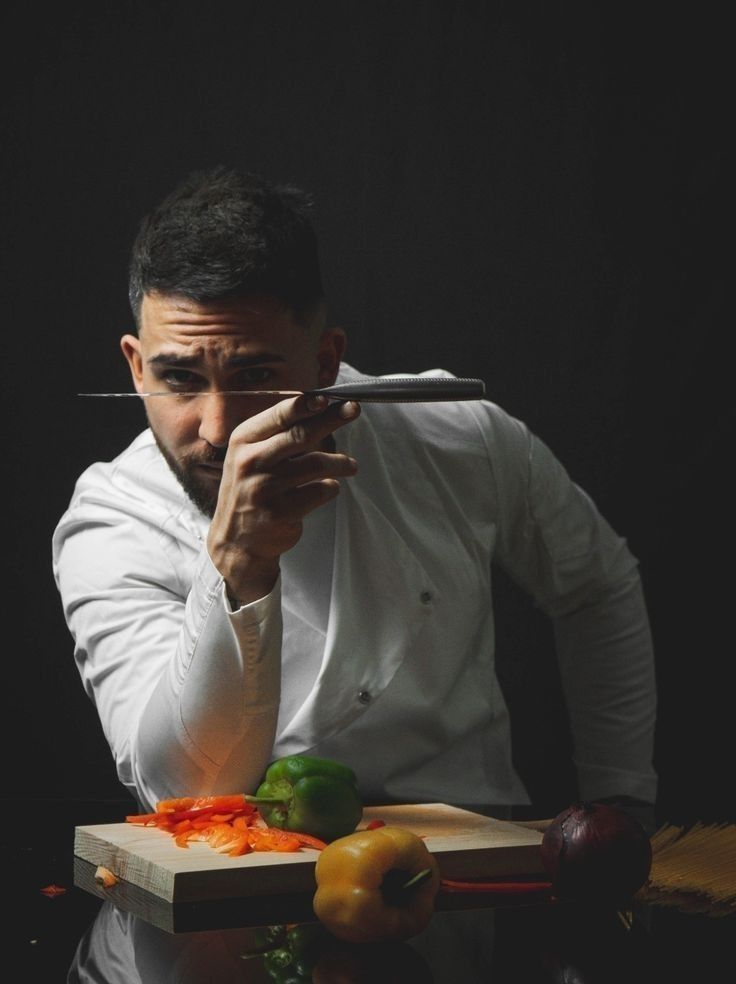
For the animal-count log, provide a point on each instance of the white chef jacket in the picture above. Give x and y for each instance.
(376, 645)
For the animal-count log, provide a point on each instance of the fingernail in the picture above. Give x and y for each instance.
(349, 409)
(316, 402)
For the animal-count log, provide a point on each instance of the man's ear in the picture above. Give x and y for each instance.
(131, 347)
(332, 345)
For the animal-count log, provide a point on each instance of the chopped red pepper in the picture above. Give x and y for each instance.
(207, 808)
(375, 824)
(306, 840)
(105, 877)
(229, 824)
(53, 890)
(142, 818)
(221, 803)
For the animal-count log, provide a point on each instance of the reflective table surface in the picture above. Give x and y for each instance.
(80, 934)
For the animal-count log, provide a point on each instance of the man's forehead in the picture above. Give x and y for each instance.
(226, 313)
(228, 326)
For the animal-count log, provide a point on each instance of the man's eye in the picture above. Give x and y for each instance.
(255, 376)
(185, 381)
(181, 379)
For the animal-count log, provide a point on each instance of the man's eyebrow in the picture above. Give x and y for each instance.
(171, 359)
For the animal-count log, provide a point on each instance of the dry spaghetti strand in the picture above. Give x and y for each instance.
(694, 869)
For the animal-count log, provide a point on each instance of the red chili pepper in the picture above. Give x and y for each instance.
(498, 887)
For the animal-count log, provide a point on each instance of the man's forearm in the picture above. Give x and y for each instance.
(608, 676)
(210, 723)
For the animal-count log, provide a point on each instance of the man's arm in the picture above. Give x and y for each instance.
(557, 546)
(185, 678)
(223, 707)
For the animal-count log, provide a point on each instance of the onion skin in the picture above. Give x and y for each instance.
(595, 852)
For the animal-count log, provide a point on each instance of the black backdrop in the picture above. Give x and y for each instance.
(526, 192)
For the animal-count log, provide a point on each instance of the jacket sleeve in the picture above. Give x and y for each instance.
(557, 546)
(187, 691)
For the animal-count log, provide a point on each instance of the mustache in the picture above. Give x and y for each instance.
(210, 456)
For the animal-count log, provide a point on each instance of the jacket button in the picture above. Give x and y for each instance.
(364, 697)
(425, 597)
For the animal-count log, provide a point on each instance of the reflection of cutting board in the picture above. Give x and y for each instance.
(466, 845)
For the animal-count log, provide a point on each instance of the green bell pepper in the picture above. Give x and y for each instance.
(311, 795)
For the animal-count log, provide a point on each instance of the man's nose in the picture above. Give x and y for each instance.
(217, 419)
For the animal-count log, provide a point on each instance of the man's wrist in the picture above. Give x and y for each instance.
(251, 584)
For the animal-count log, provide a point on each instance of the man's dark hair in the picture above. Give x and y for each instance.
(228, 233)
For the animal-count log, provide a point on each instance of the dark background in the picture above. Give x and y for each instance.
(531, 193)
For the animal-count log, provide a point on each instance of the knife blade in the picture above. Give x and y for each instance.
(394, 389)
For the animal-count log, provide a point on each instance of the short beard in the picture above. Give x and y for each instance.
(203, 495)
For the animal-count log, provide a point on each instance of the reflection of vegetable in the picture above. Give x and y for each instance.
(310, 954)
(388, 961)
(290, 953)
(313, 795)
(376, 885)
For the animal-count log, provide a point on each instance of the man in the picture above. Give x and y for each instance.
(256, 576)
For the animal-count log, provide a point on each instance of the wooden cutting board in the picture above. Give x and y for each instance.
(466, 845)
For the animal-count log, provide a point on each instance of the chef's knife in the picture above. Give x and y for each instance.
(392, 389)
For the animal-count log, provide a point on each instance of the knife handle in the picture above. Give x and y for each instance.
(433, 389)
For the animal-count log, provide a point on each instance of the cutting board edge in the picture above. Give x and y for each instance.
(489, 863)
(136, 870)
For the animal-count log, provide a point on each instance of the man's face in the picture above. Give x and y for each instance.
(199, 350)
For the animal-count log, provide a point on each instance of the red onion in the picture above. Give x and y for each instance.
(596, 852)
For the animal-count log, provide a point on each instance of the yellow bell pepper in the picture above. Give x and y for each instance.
(376, 885)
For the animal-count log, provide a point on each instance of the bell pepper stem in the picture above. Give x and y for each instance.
(417, 879)
(264, 799)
